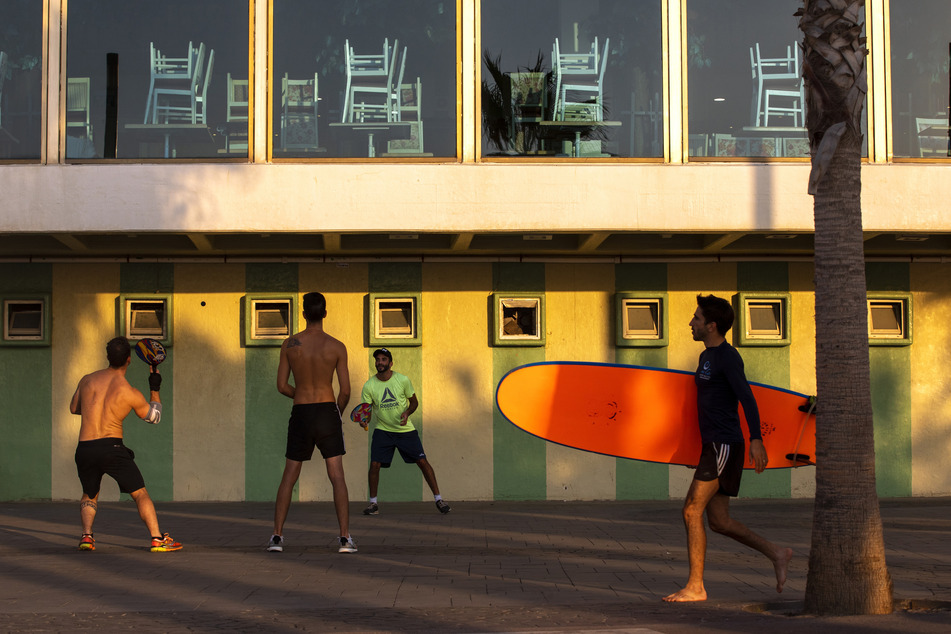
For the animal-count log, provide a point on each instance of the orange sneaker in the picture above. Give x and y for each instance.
(164, 544)
(87, 542)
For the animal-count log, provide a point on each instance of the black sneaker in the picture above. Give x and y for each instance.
(373, 509)
(275, 544)
(443, 506)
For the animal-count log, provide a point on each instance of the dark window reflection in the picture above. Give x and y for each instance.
(920, 58)
(572, 79)
(364, 79)
(21, 81)
(744, 68)
(182, 65)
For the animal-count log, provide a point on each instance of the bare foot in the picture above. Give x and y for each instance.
(780, 565)
(685, 595)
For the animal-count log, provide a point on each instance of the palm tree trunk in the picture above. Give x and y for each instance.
(847, 571)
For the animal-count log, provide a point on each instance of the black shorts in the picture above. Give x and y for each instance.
(314, 424)
(95, 458)
(723, 462)
(384, 443)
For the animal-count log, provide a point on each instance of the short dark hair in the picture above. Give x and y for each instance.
(717, 310)
(118, 352)
(315, 307)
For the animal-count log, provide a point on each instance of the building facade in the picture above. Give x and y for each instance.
(533, 181)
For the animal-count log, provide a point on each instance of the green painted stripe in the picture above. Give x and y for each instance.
(890, 368)
(638, 480)
(266, 409)
(153, 444)
(401, 482)
(769, 365)
(519, 460)
(26, 393)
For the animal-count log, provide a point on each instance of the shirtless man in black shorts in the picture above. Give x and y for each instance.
(104, 399)
(721, 385)
(313, 356)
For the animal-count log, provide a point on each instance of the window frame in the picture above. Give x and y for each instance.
(123, 302)
(741, 328)
(905, 299)
(499, 339)
(11, 340)
(248, 313)
(662, 339)
(374, 322)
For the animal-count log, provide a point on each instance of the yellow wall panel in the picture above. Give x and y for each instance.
(83, 322)
(579, 308)
(802, 357)
(457, 379)
(209, 375)
(931, 383)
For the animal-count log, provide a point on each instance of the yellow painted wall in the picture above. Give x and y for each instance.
(457, 379)
(344, 287)
(931, 381)
(802, 357)
(83, 311)
(576, 300)
(210, 382)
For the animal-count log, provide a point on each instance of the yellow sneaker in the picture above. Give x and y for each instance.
(164, 544)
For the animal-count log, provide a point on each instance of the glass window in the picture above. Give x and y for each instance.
(763, 319)
(572, 79)
(21, 78)
(744, 69)
(920, 57)
(364, 79)
(172, 66)
(394, 319)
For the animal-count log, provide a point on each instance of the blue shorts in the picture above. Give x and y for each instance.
(385, 442)
(723, 462)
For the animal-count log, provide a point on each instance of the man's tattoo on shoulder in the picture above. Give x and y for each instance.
(293, 342)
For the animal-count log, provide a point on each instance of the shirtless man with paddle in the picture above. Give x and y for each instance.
(721, 385)
(103, 399)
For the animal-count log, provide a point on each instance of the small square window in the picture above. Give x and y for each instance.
(518, 319)
(269, 318)
(763, 319)
(145, 317)
(272, 319)
(394, 319)
(25, 321)
(889, 319)
(641, 320)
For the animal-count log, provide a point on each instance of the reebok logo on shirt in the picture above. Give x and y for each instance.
(388, 399)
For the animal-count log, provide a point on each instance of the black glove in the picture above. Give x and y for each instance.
(155, 381)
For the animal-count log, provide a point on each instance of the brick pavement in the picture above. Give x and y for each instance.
(485, 567)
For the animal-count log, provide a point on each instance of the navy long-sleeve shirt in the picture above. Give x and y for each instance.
(721, 384)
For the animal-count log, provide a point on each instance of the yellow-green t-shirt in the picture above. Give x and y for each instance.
(389, 399)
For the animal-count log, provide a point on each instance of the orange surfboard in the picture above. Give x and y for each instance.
(642, 413)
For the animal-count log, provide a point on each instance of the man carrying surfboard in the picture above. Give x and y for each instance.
(394, 400)
(721, 385)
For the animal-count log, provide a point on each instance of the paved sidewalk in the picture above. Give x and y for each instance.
(485, 567)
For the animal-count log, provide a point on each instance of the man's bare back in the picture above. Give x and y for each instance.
(103, 399)
(313, 356)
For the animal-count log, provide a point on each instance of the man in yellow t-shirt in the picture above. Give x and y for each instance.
(393, 399)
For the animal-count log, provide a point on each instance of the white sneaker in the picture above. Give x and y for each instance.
(275, 544)
(347, 545)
